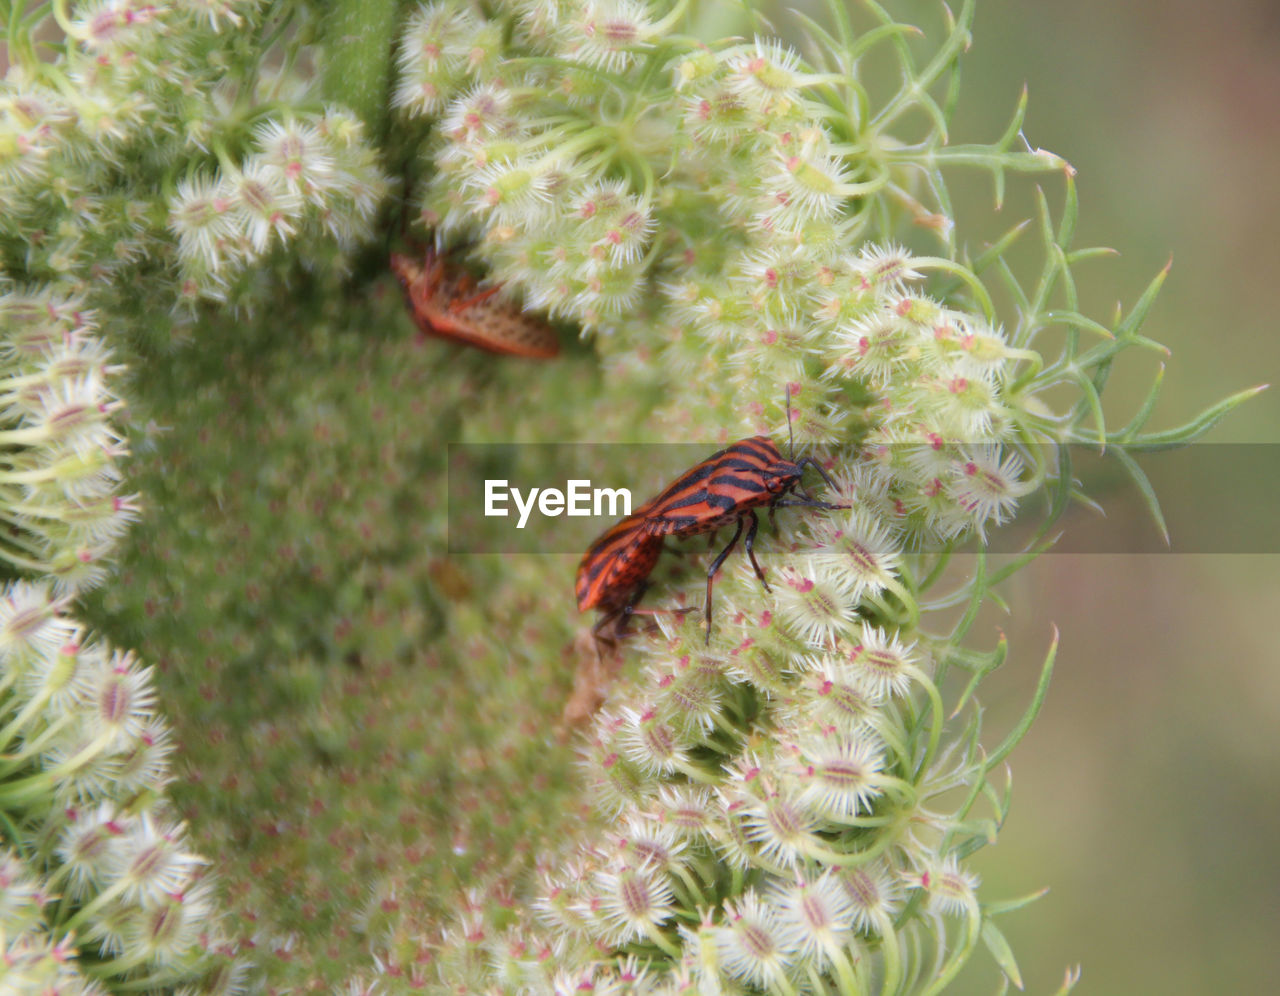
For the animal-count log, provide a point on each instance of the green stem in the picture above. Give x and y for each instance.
(90, 909)
(851, 859)
(669, 947)
(846, 978)
(892, 956)
(887, 732)
(59, 10)
(973, 923)
(23, 791)
(964, 274)
(674, 17)
(32, 748)
(935, 726)
(779, 983)
(697, 774)
(817, 984)
(694, 890)
(21, 541)
(61, 672)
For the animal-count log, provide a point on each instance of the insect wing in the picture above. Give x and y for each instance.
(443, 303)
(499, 327)
(609, 570)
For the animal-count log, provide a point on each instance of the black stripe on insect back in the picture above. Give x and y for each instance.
(750, 467)
(691, 478)
(750, 461)
(702, 496)
(595, 567)
(762, 449)
(676, 525)
(754, 487)
(746, 455)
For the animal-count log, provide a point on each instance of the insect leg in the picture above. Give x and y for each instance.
(469, 302)
(663, 612)
(811, 462)
(715, 568)
(806, 502)
(432, 273)
(619, 613)
(600, 638)
(629, 609)
(750, 543)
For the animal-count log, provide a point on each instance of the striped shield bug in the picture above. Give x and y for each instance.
(725, 488)
(444, 302)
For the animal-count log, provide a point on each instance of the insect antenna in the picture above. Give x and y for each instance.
(805, 461)
(791, 436)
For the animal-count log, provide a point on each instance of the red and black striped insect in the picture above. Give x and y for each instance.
(444, 302)
(727, 487)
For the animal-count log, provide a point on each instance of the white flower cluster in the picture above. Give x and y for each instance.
(145, 89)
(773, 862)
(443, 46)
(79, 119)
(573, 238)
(305, 174)
(938, 457)
(572, 241)
(775, 796)
(119, 27)
(59, 475)
(86, 763)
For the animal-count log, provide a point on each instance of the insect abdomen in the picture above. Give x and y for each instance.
(615, 566)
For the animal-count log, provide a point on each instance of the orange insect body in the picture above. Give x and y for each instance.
(616, 565)
(726, 487)
(444, 303)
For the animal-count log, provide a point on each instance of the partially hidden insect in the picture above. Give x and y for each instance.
(725, 488)
(444, 302)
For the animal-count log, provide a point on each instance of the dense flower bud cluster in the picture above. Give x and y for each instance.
(146, 163)
(86, 763)
(145, 90)
(304, 175)
(763, 269)
(59, 475)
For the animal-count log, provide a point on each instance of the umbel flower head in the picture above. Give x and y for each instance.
(88, 764)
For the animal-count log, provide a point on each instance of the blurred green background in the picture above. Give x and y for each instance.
(1147, 797)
